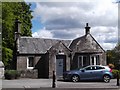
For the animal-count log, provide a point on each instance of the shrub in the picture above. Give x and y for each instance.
(11, 74)
(114, 72)
(111, 66)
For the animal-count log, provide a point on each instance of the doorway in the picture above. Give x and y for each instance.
(60, 65)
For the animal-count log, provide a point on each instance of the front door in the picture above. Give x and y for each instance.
(59, 68)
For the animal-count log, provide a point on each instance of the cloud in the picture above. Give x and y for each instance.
(67, 34)
(43, 34)
(107, 36)
(78, 13)
(108, 46)
(63, 23)
(66, 20)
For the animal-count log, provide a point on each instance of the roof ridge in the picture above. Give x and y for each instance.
(46, 38)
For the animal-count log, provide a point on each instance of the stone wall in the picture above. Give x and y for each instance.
(29, 73)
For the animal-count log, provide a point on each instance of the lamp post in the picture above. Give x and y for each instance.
(53, 81)
(118, 84)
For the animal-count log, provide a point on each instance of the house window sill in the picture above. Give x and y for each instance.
(30, 67)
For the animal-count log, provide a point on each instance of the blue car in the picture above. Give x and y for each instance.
(92, 72)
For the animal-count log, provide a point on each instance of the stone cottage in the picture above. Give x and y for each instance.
(43, 56)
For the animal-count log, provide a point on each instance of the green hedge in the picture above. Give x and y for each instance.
(114, 72)
(12, 74)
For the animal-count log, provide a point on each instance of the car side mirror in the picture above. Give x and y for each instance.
(83, 70)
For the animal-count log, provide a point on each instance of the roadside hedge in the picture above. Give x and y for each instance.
(12, 74)
(114, 72)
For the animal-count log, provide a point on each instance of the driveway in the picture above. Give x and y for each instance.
(47, 83)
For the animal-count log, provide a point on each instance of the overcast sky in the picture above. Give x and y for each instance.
(66, 20)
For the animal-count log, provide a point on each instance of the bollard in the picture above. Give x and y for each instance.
(118, 79)
(53, 83)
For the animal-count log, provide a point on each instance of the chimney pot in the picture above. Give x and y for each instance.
(87, 29)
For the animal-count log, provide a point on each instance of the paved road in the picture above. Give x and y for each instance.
(47, 83)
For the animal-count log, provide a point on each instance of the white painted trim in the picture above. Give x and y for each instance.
(90, 60)
(95, 60)
(82, 60)
(28, 64)
(61, 53)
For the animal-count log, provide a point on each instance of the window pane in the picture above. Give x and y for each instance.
(85, 61)
(93, 68)
(89, 68)
(80, 62)
(99, 68)
(98, 60)
(92, 60)
(31, 59)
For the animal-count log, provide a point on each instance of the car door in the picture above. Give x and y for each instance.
(86, 73)
(97, 72)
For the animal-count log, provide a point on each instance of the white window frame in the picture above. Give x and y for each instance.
(28, 63)
(79, 61)
(95, 59)
(82, 61)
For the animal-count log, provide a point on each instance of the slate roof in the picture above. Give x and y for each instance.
(30, 45)
(86, 44)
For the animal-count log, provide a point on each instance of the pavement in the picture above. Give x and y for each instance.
(46, 84)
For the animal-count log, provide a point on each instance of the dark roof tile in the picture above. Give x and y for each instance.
(30, 45)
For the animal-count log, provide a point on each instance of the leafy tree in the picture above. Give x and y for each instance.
(10, 12)
(113, 56)
(7, 55)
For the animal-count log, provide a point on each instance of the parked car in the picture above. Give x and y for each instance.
(92, 72)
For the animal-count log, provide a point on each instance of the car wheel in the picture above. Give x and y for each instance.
(106, 78)
(75, 78)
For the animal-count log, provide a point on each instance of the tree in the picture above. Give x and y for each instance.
(7, 56)
(10, 12)
(113, 56)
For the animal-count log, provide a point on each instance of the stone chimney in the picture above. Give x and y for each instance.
(87, 29)
(17, 35)
(17, 29)
(17, 25)
(16, 43)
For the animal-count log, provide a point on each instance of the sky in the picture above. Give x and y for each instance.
(66, 20)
